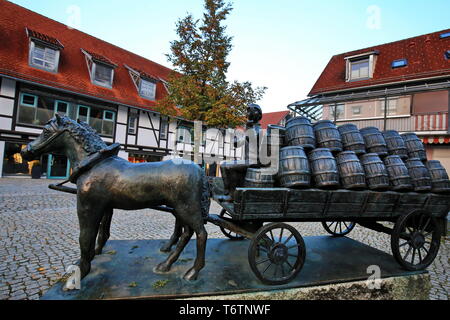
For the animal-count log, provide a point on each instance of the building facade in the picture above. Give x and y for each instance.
(403, 86)
(47, 68)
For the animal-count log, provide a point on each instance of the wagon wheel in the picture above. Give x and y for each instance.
(231, 235)
(276, 253)
(338, 228)
(415, 240)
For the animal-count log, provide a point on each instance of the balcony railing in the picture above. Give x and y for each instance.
(430, 122)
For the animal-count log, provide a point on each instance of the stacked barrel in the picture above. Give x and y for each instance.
(322, 155)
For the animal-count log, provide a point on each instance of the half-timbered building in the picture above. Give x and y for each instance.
(47, 68)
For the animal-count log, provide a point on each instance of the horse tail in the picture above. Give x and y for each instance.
(206, 195)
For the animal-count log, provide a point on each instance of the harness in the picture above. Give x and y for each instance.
(88, 163)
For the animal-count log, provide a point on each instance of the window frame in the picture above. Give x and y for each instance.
(26, 104)
(101, 83)
(359, 62)
(133, 114)
(88, 113)
(31, 57)
(396, 63)
(67, 113)
(153, 98)
(164, 136)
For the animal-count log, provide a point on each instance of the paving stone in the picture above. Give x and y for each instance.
(40, 229)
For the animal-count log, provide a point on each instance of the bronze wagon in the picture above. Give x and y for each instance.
(277, 251)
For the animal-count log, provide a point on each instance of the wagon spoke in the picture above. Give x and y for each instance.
(290, 265)
(420, 255)
(267, 268)
(426, 225)
(335, 228)
(282, 270)
(346, 226)
(426, 250)
(281, 234)
(271, 234)
(404, 243)
(262, 261)
(289, 238)
(407, 253)
(413, 256)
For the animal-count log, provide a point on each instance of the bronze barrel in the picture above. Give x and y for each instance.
(374, 140)
(294, 171)
(352, 140)
(299, 132)
(259, 178)
(328, 136)
(324, 168)
(377, 177)
(398, 173)
(395, 144)
(414, 146)
(439, 177)
(351, 171)
(420, 175)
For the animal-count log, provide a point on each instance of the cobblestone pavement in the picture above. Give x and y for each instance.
(39, 238)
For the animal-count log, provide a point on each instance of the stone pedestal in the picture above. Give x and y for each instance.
(335, 268)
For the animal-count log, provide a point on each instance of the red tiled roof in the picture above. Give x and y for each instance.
(44, 38)
(425, 55)
(99, 58)
(73, 74)
(272, 118)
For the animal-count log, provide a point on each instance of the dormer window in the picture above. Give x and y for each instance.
(360, 67)
(147, 89)
(145, 83)
(102, 75)
(44, 51)
(447, 54)
(444, 35)
(101, 69)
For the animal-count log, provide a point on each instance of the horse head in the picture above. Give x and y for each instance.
(50, 140)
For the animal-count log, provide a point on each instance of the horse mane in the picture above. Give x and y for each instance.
(89, 139)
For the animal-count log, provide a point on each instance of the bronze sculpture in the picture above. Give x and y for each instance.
(105, 181)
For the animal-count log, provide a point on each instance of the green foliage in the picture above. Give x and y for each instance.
(199, 90)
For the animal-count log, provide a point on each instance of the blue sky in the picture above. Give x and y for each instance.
(281, 44)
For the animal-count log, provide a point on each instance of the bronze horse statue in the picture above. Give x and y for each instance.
(105, 181)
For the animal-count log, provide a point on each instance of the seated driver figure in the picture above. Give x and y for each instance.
(233, 172)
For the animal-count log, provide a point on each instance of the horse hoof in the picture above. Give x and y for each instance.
(191, 275)
(161, 268)
(98, 251)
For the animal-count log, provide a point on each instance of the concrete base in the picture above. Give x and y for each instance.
(335, 268)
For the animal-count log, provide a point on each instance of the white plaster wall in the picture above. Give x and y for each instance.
(5, 123)
(147, 138)
(2, 155)
(8, 88)
(121, 132)
(122, 114)
(6, 106)
(131, 139)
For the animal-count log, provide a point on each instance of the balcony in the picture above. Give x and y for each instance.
(429, 123)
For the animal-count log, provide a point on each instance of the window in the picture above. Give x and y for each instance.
(185, 134)
(163, 129)
(444, 35)
(391, 107)
(43, 57)
(34, 110)
(83, 113)
(399, 63)
(61, 108)
(447, 54)
(339, 111)
(147, 89)
(356, 110)
(359, 69)
(108, 123)
(132, 121)
(102, 75)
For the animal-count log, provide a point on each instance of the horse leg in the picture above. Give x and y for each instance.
(184, 239)
(104, 230)
(89, 220)
(199, 263)
(174, 238)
